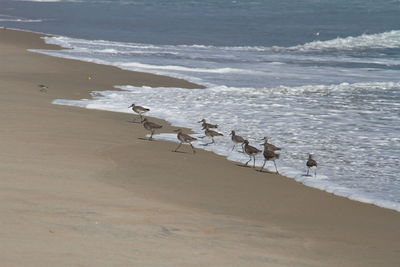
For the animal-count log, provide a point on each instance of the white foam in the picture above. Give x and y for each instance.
(389, 39)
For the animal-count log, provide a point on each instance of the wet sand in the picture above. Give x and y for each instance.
(82, 188)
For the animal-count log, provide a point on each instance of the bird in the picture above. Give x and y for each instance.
(236, 139)
(310, 164)
(270, 155)
(212, 134)
(207, 125)
(150, 126)
(251, 151)
(269, 146)
(43, 88)
(184, 138)
(139, 110)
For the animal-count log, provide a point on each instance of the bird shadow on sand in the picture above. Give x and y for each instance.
(145, 139)
(183, 152)
(265, 171)
(134, 122)
(242, 165)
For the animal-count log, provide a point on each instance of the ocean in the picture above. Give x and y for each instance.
(316, 76)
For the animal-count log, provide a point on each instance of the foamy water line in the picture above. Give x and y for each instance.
(351, 127)
(283, 125)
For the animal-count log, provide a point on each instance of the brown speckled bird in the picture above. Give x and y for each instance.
(236, 139)
(184, 138)
(311, 163)
(151, 126)
(251, 151)
(139, 110)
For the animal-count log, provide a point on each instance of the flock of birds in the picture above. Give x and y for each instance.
(270, 152)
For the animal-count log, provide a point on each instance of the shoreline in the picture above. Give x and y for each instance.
(306, 224)
(289, 172)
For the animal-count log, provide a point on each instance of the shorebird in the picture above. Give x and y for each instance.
(270, 155)
(184, 138)
(151, 126)
(236, 139)
(269, 146)
(207, 125)
(212, 134)
(139, 110)
(43, 88)
(310, 164)
(251, 151)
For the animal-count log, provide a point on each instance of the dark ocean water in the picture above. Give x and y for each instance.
(316, 76)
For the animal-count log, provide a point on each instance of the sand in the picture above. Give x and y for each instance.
(81, 187)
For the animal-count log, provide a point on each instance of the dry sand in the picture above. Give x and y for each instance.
(79, 187)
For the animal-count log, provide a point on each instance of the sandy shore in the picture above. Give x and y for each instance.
(80, 188)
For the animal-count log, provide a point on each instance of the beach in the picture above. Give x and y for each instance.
(81, 187)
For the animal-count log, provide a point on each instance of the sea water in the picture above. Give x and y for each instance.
(320, 77)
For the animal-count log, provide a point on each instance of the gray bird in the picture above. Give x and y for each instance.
(184, 138)
(43, 88)
(139, 110)
(212, 134)
(251, 151)
(236, 139)
(207, 125)
(311, 163)
(270, 155)
(150, 126)
(268, 145)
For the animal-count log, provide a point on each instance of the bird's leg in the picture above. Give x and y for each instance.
(151, 135)
(233, 147)
(242, 147)
(212, 141)
(248, 161)
(194, 151)
(276, 168)
(254, 161)
(265, 161)
(176, 149)
(315, 173)
(308, 170)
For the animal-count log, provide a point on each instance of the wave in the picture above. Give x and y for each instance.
(383, 40)
(7, 18)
